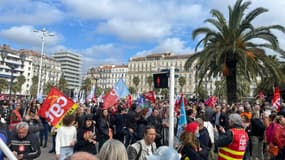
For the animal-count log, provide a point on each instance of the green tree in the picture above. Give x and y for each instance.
(202, 92)
(62, 84)
(86, 85)
(182, 82)
(34, 86)
(229, 46)
(47, 87)
(19, 83)
(164, 92)
(3, 85)
(149, 81)
(136, 81)
(132, 90)
(98, 91)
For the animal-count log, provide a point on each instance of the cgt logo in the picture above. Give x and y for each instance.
(57, 108)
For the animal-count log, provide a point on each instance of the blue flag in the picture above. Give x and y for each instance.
(121, 89)
(182, 118)
(140, 101)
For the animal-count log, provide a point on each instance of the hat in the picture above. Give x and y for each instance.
(236, 119)
(281, 113)
(191, 127)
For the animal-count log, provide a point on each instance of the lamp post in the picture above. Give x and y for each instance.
(12, 66)
(44, 33)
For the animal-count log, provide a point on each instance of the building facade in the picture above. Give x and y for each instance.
(70, 67)
(51, 69)
(11, 63)
(145, 67)
(105, 76)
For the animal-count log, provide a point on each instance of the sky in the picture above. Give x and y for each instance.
(113, 31)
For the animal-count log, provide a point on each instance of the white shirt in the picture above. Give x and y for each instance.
(66, 135)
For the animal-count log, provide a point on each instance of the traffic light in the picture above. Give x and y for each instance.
(160, 80)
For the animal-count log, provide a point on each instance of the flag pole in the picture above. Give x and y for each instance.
(171, 108)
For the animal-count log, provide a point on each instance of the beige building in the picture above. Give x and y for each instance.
(144, 67)
(51, 69)
(105, 76)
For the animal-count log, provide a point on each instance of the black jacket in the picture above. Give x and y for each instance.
(188, 151)
(28, 146)
(85, 145)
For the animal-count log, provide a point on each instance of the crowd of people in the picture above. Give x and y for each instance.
(239, 131)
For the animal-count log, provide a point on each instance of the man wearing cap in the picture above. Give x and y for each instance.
(232, 144)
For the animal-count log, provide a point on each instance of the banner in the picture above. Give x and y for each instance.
(182, 118)
(120, 90)
(110, 99)
(69, 112)
(149, 96)
(211, 102)
(55, 106)
(276, 99)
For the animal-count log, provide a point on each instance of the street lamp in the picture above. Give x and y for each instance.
(12, 66)
(44, 33)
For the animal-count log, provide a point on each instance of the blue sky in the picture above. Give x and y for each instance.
(112, 31)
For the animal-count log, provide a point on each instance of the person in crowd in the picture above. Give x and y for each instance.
(3, 137)
(156, 121)
(204, 139)
(279, 135)
(269, 119)
(190, 148)
(131, 124)
(82, 156)
(44, 132)
(79, 116)
(33, 108)
(104, 127)
(35, 124)
(119, 121)
(5, 112)
(232, 143)
(141, 123)
(164, 153)
(53, 134)
(219, 118)
(24, 144)
(86, 137)
(144, 147)
(15, 117)
(65, 138)
(113, 150)
(257, 134)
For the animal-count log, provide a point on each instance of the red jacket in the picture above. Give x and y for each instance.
(279, 136)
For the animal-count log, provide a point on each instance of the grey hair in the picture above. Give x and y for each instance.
(113, 150)
(235, 119)
(22, 125)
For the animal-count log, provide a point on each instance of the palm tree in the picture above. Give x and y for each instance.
(132, 90)
(149, 81)
(19, 83)
(230, 46)
(87, 84)
(136, 81)
(62, 84)
(3, 84)
(34, 86)
(182, 82)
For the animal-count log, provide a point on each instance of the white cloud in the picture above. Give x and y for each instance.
(26, 35)
(135, 30)
(29, 12)
(174, 45)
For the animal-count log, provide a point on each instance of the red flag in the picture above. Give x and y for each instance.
(129, 101)
(55, 106)
(276, 99)
(211, 102)
(178, 103)
(150, 96)
(110, 99)
(2, 97)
